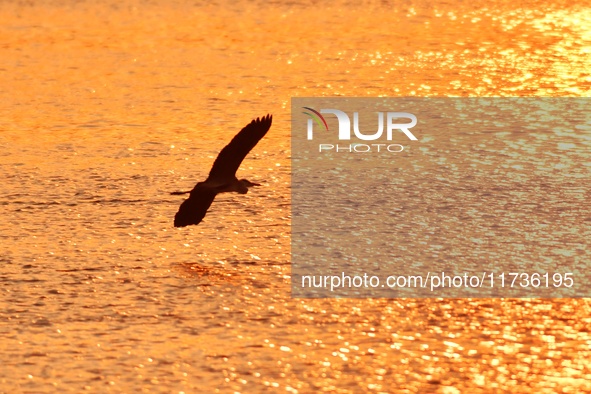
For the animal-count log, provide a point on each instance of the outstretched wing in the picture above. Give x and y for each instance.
(229, 159)
(193, 209)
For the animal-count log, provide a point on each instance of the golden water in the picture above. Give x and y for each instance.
(105, 108)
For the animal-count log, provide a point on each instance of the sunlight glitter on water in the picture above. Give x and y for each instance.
(100, 292)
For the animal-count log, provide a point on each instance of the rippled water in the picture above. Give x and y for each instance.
(105, 108)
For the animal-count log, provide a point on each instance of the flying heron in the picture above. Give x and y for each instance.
(222, 176)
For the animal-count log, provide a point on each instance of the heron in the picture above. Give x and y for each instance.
(222, 176)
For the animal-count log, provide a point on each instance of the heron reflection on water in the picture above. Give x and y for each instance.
(222, 176)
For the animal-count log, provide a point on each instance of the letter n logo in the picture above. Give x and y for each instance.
(315, 116)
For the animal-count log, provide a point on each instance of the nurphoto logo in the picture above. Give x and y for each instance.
(344, 130)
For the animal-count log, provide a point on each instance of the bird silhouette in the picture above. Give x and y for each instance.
(222, 176)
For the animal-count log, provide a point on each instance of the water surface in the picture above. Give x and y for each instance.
(107, 107)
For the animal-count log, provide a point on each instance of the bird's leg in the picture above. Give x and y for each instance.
(180, 193)
(248, 183)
